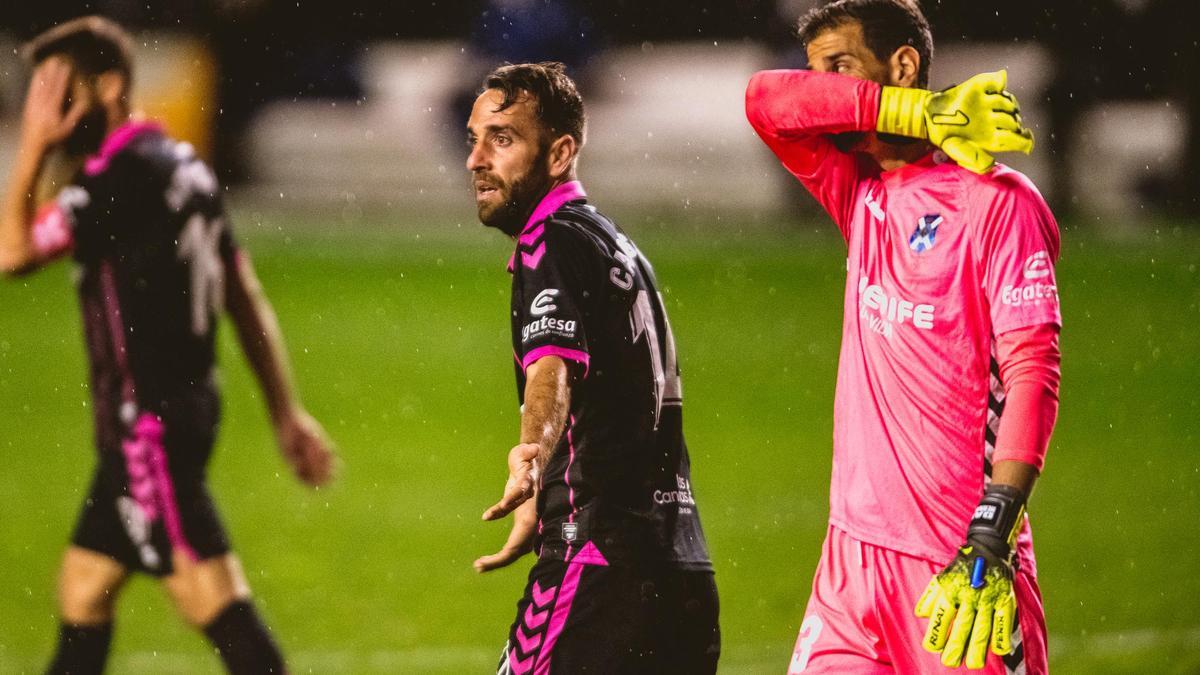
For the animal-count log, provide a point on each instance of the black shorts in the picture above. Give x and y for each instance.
(582, 618)
(150, 498)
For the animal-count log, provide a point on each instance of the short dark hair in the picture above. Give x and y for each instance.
(887, 25)
(93, 44)
(559, 105)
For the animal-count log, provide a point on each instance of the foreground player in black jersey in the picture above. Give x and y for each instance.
(156, 262)
(623, 581)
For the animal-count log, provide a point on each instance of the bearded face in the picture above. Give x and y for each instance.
(509, 165)
(507, 204)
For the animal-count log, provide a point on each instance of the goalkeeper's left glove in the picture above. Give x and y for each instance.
(968, 121)
(971, 603)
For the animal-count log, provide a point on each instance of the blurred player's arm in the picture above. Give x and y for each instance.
(44, 125)
(543, 418)
(301, 439)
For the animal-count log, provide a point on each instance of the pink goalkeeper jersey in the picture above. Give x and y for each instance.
(940, 261)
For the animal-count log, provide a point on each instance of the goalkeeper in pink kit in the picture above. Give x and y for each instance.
(948, 377)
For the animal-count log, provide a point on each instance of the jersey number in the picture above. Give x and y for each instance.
(200, 239)
(810, 630)
(668, 390)
(199, 244)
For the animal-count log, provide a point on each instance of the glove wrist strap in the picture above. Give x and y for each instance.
(998, 518)
(902, 112)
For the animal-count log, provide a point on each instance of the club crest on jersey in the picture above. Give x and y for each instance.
(925, 234)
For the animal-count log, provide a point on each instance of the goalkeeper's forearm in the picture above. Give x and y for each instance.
(1015, 473)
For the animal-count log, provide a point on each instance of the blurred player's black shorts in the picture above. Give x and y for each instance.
(581, 618)
(149, 499)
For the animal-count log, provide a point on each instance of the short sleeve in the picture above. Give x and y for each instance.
(551, 265)
(1021, 246)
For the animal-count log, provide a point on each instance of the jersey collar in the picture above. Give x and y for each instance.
(553, 201)
(116, 140)
(907, 173)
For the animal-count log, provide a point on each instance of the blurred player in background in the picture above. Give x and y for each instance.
(949, 369)
(600, 484)
(155, 264)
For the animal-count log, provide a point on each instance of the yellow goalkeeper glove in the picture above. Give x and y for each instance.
(971, 604)
(968, 121)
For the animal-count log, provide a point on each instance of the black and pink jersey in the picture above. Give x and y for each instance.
(145, 221)
(620, 476)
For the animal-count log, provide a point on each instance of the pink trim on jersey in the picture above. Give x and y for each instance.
(529, 237)
(553, 201)
(51, 232)
(166, 487)
(146, 460)
(577, 355)
(150, 479)
(589, 555)
(532, 260)
(114, 142)
(567, 476)
(116, 331)
(518, 666)
(142, 484)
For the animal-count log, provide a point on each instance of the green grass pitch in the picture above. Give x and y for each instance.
(401, 347)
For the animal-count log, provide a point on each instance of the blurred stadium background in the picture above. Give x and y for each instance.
(337, 127)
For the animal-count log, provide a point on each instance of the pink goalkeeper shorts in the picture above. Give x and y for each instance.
(860, 616)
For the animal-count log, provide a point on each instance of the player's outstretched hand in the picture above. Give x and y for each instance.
(44, 122)
(522, 479)
(972, 120)
(306, 448)
(520, 539)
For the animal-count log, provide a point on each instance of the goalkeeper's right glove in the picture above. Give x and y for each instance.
(968, 121)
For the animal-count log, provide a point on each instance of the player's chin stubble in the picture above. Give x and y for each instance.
(520, 197)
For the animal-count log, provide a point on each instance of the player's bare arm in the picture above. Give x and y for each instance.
(44, 125)
(547, 401)
(301, 438)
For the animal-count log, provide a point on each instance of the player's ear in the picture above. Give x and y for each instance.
(562, 155)
(904, 66)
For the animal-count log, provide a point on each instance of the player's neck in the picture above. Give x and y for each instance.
(116, 116)
(891, 156)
